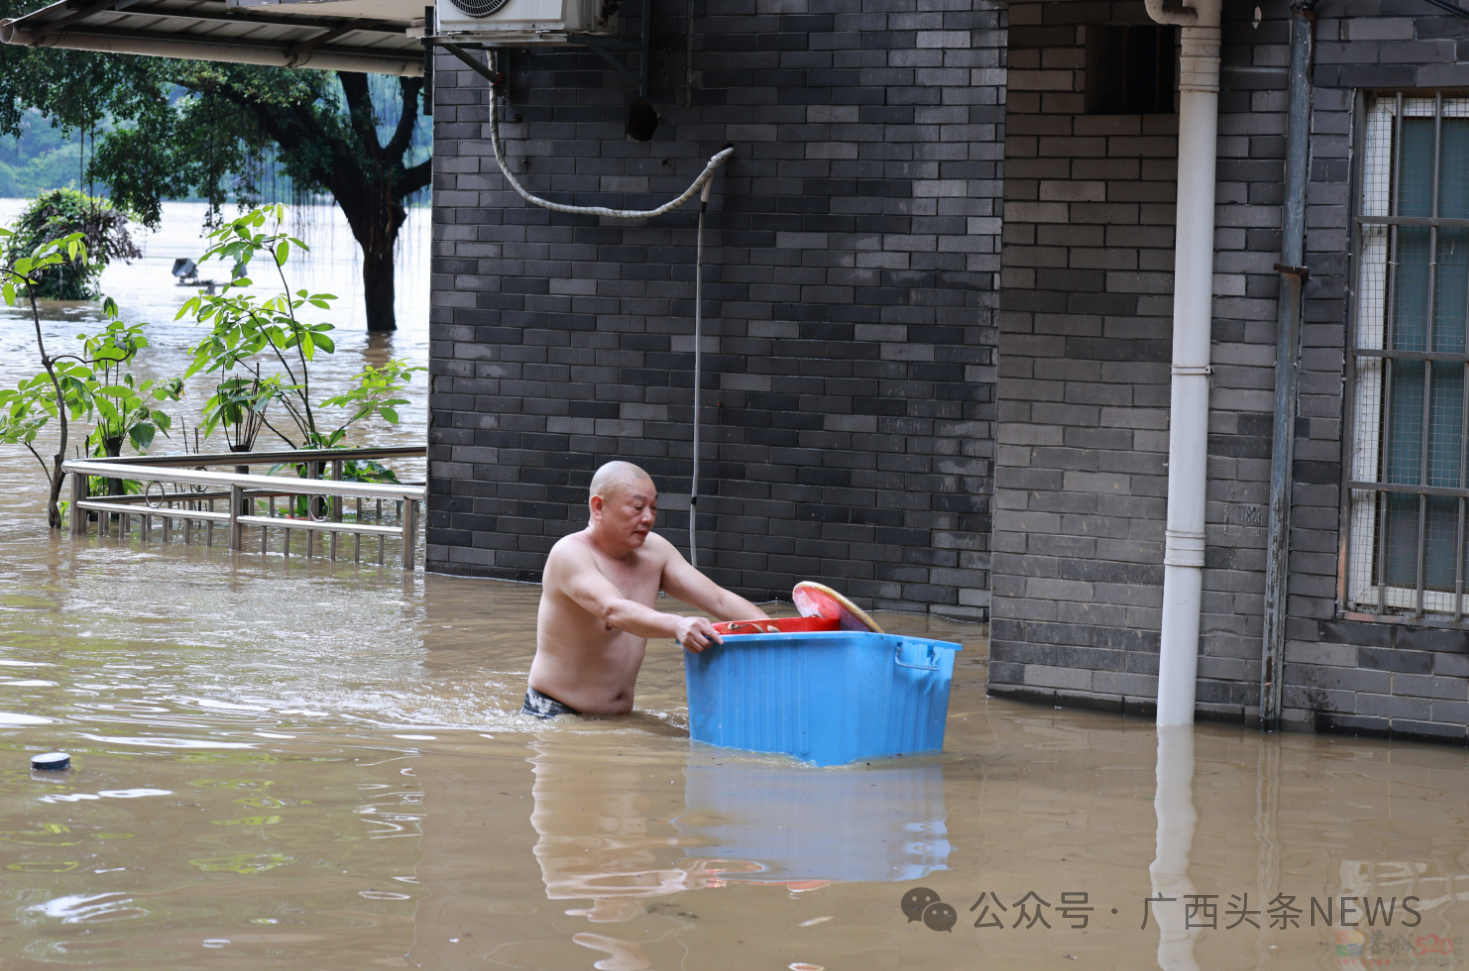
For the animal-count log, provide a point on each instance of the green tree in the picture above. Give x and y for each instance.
(58, 213)
(181, 128)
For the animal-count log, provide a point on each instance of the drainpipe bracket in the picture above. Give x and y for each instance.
(1192, 370)
(1301, 271)
(1183, 548)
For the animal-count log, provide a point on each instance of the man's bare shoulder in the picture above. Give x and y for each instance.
(655, 543)
(570, 552)
(660, 551)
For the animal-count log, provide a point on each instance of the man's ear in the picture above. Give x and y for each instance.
(596, 503)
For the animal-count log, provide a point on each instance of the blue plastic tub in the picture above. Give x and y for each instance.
(827, 698)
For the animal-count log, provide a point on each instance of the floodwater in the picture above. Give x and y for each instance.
(312, 766)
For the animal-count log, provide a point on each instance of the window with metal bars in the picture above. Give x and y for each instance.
(1407, 487)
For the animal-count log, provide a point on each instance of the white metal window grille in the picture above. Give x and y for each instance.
(1407, 479)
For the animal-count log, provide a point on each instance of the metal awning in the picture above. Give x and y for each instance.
(331, 35)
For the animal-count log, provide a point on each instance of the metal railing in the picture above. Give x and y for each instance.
(181, 492)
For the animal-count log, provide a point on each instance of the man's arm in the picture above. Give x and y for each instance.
(682, 582)
(584, 583)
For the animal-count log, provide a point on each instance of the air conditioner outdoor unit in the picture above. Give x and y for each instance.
(522, 22)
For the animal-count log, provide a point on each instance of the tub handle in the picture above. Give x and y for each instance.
(898, 660)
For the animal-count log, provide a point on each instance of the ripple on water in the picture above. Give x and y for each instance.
(166, 742)
(96, 907)
(15, 718)
(106, 794)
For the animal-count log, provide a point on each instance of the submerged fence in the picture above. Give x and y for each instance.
(181, 492)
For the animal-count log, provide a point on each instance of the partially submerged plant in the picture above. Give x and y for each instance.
(124, 405)
(247, 333)
(72, 387)
(374, 391)
(238, 409)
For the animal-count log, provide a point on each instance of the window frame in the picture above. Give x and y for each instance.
(1364, 460)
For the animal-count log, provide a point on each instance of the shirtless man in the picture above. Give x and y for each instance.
(597, 599)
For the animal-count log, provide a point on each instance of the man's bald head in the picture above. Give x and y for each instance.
(615, 477)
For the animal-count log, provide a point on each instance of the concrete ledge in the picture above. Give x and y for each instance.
(448, 568)
(1127, 705)
(1087, 701)
(1020, 692)
(1400, 730)
(1227, 714)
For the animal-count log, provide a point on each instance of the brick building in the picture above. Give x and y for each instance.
(850, 290)
(1081, 435)
(918, 362)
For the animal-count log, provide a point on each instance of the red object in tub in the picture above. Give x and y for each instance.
(781, 625)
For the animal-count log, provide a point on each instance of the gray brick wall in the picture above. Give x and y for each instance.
(1081, 442)
(1085, 326)
(850, 294)
(1382, 679)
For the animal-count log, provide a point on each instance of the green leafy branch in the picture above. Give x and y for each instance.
(243, 326)
(375, 391)
(70, 386)
(33, 404)
(247, 332)
(124, 406)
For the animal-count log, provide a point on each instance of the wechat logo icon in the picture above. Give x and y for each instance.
(923, 904)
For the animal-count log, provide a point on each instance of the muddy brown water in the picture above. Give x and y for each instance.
(310, 766)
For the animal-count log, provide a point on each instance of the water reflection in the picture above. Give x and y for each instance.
(598, 833)
(604, 835)
(808, 827)
(625, 843)
(1173, 802)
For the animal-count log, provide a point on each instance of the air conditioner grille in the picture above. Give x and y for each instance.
(479, 8)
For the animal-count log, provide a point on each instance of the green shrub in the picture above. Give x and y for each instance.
(61, 212)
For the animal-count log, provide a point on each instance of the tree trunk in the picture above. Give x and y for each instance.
(375, 217)
(112, 446)
(377, 283)
(53, 503)
(367, 178)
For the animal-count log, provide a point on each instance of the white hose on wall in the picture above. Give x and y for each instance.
(700, 185)
(718, 159)
(698, 371)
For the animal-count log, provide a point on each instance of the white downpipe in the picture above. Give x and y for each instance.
(1193, 291)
